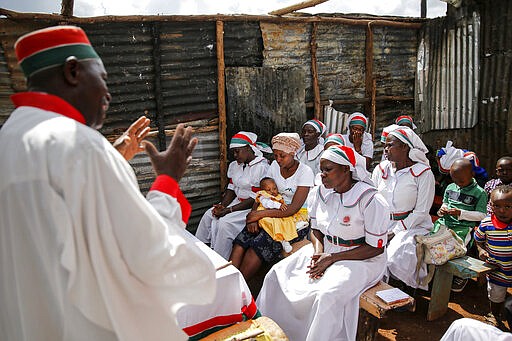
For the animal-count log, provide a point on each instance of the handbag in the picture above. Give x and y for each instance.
(437, 249)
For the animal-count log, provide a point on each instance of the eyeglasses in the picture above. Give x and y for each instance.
(504, 207)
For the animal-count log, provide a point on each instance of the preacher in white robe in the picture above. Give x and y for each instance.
(83, 255)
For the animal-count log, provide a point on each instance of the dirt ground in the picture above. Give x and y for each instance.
(471, 302)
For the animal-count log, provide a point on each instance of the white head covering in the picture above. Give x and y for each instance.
(386, 130)
(447, 156)
(405, 119)
(344, 155)
(287, 142)
(417, 147)
(245, 138)
(358, 118)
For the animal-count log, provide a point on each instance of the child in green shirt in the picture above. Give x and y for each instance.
(464, 206)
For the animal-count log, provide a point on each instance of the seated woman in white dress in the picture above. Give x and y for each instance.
(314, 293)
(312, 144)
(222, 223)
(254, 245)
(407, 183)
(358, 138)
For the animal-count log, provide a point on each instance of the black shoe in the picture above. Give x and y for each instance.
(459, 284)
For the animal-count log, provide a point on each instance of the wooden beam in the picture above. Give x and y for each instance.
(296, 7)
(314, 73)
(369, 70)
(221, 104)
(398, 23)
(67, 8)
(363, 100)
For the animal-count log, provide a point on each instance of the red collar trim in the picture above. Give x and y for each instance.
(47, 102)
(498, 223)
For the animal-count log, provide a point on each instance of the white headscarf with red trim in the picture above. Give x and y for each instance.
(417, 147)
(245, 138)
(358, 119)
(344, 155)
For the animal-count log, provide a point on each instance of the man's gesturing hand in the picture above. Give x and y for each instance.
(174, 160)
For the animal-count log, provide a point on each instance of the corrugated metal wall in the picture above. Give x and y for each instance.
(165, 70)
(341, 65)
(268, 100)
(6, 89)
(491, 138)
(449, 54)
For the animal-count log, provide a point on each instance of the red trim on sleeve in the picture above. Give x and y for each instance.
(166, 184)
(230, 181)
(405, 227)
(224, 320)
(255, 189)
(250, 310)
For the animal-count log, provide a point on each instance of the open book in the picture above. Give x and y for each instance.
(393, 295)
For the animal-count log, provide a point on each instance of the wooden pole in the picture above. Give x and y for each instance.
(373, 107)
(296, 7)
(423, 8)
(402, 23)
(221, 104)
(67, 8)
(314, 72)
(363, 100)
(369, 84)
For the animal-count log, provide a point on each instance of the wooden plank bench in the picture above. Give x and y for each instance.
(464, 267)
(372, 309)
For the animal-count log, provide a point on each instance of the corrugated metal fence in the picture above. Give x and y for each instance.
(472, 41)
(167, 70)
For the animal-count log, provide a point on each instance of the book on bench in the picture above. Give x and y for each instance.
(392, 296)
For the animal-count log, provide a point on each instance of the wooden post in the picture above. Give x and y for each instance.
(373, 107)
(67, 8)
(221, 104)
(302, 5)
(369, 82)
(314, 73)
(423, 8)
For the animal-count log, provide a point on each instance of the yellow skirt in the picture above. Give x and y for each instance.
(283, 228)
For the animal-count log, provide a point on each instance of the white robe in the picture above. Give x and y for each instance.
(311, 157)
(327, 308)
(466, 329)
(83, 255)
(411, 190)
(366, 146)
(245, 182)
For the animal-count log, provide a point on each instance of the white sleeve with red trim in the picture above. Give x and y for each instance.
(132, 254)
(231, 170)
(420, 216)
(166, 197)
(376, 220)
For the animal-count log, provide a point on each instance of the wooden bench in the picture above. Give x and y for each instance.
(372, 309)
(464, 267)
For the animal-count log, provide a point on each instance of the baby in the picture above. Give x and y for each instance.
(280, 229)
